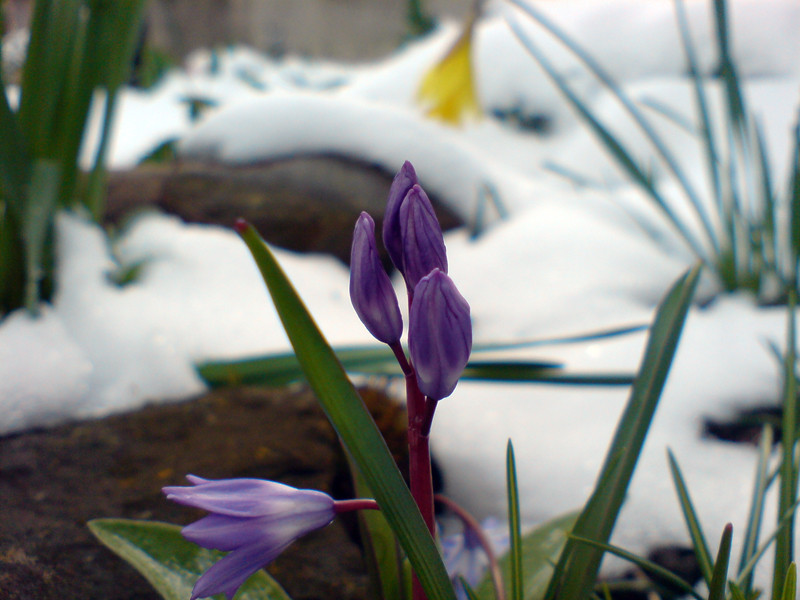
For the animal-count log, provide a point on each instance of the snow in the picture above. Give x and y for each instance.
(569, 259)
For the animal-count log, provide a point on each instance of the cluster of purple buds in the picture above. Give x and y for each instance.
(255, 520)
(439, 329)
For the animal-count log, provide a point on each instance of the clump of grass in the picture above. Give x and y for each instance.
(749, 234)
(76, 48)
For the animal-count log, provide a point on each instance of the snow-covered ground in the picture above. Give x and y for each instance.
(568, 260)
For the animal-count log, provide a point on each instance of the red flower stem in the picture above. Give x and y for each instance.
(419, 454)
(343, 506)
(427, 420)
(401, 359)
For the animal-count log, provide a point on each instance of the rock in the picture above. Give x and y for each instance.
(307, 204)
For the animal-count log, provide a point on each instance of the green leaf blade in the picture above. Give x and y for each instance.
(170, 563)
(541, 548)
(576, 571)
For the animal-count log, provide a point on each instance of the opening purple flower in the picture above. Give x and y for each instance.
(253, 519)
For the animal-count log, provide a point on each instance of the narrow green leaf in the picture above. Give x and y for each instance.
(541, 548)
(468, 590)
(787, 494)
(790, 585)
(352, 421)
(169, 562)
(281, 369)
(736, 592)
(382, 556)
(657, 571)
(756, 514)
(767, 227)
(716, 588)
(674, 116)
(514, 526)
(576, 571)
(699, 543)
(12, 262)
(54, 28)
(735, 98)
(701, 101)
(794, 203)
(36, 226)
(530, 372)
(762, 549)
(15, 163)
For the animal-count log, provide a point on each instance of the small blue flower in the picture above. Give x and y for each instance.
(439, 334)
(371, 289)
(253, 519)
(464, 557)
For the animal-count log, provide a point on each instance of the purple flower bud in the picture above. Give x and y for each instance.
(439, 334)
(423, 244)
(404, 180)
(371, 289)
(253, 519)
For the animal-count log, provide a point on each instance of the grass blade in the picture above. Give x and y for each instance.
(737, 113)
(382, 556)
(657, 571)
(514, 526)
(716, 588)
(794, 208)
(701, 101)
(283, 368)
(51, 50)
(576, 571)
(762, 549)
(36, 223)
(600, 73)
(699, 543)
(756, 513)
(355, 426)
(541, 548)
(784, 543)
(790, 585)
(15, 162)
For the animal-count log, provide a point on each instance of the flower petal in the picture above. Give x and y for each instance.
(221, 532)
(246, 497)
(371, 290)
(229, 573)
(423, 243)
(439, 335)
(404, 180)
